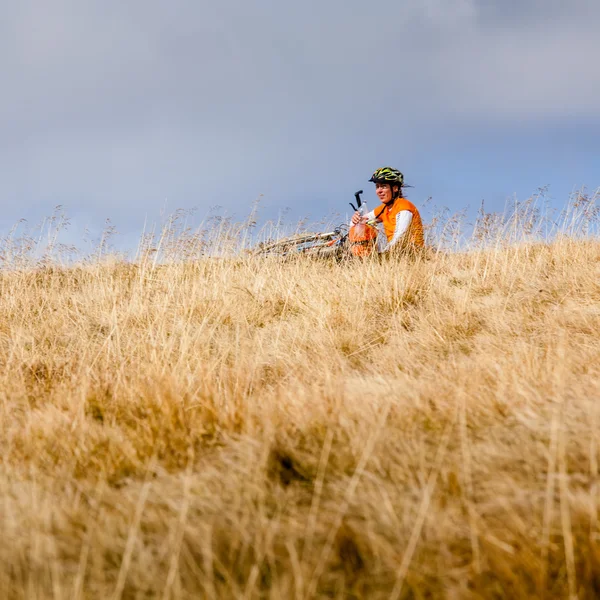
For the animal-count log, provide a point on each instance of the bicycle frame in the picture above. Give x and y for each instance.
(323, 244)
(318, 244)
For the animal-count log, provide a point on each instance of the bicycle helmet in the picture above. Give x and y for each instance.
(388, 175)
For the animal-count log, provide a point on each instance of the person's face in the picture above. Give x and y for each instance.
(384, 192)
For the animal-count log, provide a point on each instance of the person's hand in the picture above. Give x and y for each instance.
(356, 218)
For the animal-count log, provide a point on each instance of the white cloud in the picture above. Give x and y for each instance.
(152, 88)
(70, 62)
(520, 75)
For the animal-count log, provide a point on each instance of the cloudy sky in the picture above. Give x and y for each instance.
(127, 108)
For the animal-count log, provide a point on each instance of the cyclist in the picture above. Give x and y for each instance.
(400, 224)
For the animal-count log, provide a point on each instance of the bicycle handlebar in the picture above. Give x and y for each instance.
(358, 200)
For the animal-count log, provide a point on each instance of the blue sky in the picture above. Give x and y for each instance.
(126, 109)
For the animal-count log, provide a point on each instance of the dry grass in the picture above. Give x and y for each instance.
(247, 428)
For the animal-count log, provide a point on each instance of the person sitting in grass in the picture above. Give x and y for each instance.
(400, 225)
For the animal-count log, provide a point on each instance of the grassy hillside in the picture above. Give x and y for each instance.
(247, 428)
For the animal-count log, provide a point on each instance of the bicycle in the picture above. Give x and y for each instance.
(341, 243)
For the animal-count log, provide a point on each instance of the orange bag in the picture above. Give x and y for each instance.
(362, 239)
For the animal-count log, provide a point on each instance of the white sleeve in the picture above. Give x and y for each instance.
(370, 215)
(403, 221)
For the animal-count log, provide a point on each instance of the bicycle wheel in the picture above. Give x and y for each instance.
(297, 244)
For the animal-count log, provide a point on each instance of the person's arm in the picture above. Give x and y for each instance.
(403, 221)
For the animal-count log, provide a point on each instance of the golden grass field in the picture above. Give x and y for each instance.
(252, 428)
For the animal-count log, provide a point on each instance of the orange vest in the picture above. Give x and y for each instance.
(387, 215)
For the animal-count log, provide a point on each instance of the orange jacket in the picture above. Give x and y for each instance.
(387, 215)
